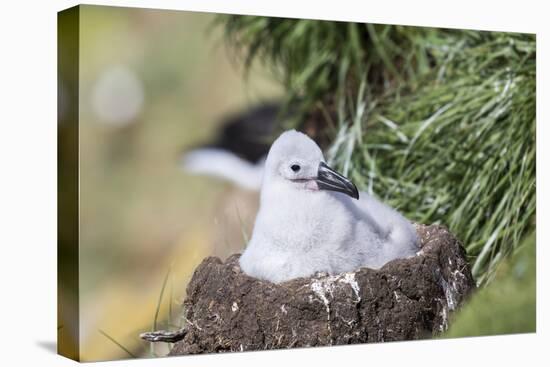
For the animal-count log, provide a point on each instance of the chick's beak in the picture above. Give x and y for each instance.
(329, 179)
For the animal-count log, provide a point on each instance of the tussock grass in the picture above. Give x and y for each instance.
(460, 150)
(438, 123)
(310, 57)
(155, 327)
(118, 344)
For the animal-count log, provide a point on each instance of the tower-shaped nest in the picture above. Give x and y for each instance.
(226, 310)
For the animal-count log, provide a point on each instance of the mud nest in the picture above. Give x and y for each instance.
(226, 310)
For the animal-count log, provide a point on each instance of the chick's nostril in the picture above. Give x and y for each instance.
(295, 167)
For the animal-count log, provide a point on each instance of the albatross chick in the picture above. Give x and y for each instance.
(313, 219)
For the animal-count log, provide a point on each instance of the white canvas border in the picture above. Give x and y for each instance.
(28, 190)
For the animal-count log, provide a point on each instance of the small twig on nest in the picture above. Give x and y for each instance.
(164, 335)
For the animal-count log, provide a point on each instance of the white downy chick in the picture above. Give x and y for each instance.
(312, 219)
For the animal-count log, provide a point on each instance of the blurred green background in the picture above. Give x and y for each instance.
(151, 84)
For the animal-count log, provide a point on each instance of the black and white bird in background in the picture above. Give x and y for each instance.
(238, 152)
(311, 218)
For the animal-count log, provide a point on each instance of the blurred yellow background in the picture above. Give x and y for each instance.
(151, 84)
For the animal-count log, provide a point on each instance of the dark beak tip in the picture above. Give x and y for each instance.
(356, 195)
(329, 179)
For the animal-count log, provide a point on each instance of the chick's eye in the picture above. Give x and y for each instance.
(295, 167)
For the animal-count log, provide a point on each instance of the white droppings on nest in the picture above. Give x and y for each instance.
(349, 278)
(450, 291)
(235, 307)
(192, 323)
(350, 323)
(283, 309)
(321, 288)
(444, 317)
(458, 274)
(397, 296)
